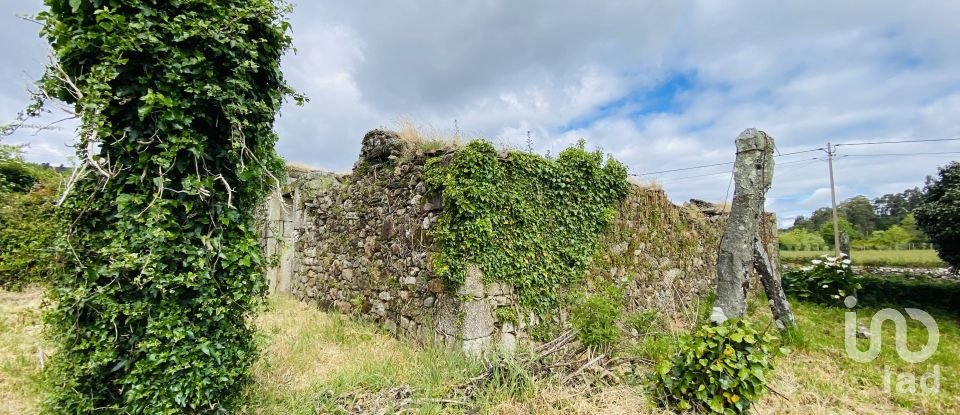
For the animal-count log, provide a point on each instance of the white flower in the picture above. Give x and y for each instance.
(846, 261)
(826, 286)
(832, 258)
(806, 268)
(839, 271)
(835, 297)
(816, 262)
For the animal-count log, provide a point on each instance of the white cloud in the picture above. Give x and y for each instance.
(803, 72)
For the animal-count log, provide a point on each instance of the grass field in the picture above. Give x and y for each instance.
(315, 362)
(919, 258)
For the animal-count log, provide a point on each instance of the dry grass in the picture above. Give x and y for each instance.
(20, 350)
(426, 138)
(314, 362)
(646, 184)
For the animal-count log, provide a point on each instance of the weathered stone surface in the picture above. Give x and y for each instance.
(753, 174)
(363, 243)
(473, 285)
(477, 320)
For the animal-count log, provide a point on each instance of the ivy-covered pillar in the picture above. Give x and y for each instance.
(162, 267)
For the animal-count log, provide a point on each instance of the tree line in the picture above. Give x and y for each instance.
(886, 222)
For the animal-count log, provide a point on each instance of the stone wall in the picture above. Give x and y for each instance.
(665, 254)
(361, 245)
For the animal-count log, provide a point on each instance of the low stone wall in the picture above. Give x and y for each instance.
(361, 245)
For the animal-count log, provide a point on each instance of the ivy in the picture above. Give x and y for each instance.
(720, 369)
(162, 267)
(523, 219)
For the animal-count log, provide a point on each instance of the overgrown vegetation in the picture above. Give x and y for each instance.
(162, 265)
(939, 215)
(827, 280)
(27, 220)
(314, 362)
(594, 316)
(719, 369)
(527, 220)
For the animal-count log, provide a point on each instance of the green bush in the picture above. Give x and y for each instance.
(27, 220)
(828, 280)
(799, 239)
(719, 369)
(594, 316)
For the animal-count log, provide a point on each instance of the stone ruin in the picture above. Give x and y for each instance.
(361, 244)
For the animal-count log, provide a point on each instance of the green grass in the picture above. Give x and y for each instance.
(820, 369)
(919, 258)
(315, 362)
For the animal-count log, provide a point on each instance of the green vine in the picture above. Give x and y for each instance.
(523, 219)
(162, 266)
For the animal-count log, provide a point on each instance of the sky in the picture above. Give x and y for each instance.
(660, 85)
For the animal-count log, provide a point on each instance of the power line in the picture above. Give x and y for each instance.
(898, 142)
(939, 153)
(800, 152)
(790, 164)
(809, 151)
(718, 164)
(683, 169)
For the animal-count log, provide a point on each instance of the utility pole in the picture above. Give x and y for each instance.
(833, 199)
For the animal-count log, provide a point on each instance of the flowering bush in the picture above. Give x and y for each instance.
(828, 280)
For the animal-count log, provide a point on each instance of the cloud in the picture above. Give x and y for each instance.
(661, 85)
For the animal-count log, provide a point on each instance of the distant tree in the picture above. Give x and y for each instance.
(859, 211)
(821, 216)
(801, 222)
(826, 230)
(909, 224)
(892, 238)
(893, 208)
(939, 215)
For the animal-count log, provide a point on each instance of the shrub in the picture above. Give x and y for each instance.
(27, 220)
(939, 215)
(827, 280)
(719, 369)
(594, 316)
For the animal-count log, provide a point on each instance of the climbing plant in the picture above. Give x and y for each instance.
(162, 265)
(523, 219)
